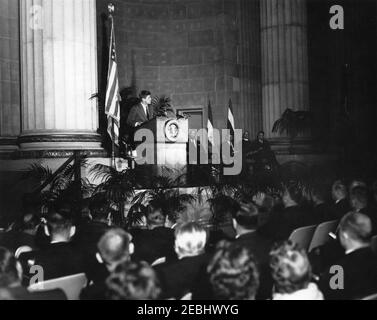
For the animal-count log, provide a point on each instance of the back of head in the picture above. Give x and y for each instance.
(319, 192)
(339, 190)
(224, 206)
(359, 197)
(356, 226)
(190, 239)
(114, 246)
(155, 214)
(233, 272)
(133, 281)
(29, 222)
(59, 224)
(99, 209)
(9, 268)
(290, 267)
(294, 192)
(247, 216)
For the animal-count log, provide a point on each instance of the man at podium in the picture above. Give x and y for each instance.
(142, 112)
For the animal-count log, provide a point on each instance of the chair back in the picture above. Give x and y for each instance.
(159, 261)
(303, 236)
(71, 285)
(321, 234)
(371, 297)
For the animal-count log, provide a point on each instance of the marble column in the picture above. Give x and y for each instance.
(284, 59)
(9, 76)
(58, 75)
(249, 58)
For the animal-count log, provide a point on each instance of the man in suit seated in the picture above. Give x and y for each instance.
(59, 258)
(283, 222)
(114, 247)
(358, 267)
(23, 234)
(142, 112)
(90, 232)
(156, 241)
(321, 210)
(133, 281)
(360, 203)
(341, 205)
(10, 282)
(245, 223)
(233, 272)
(178, 277)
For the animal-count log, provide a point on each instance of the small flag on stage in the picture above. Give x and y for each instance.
(230, 122)
(210, 124)
(112, 92)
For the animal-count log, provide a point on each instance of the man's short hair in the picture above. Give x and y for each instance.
(133, 281)
(294, 193)
(290, 267)
(233, 272)
(190, 239)
(374, 187)
(260, 132)
(114, 246)
(247, 215)
(357, 226)
(143, 94)
(339, 186)
(319, 191)
(359, 194)
(224, 206)
(58, 223)
(99, 208)
(8, 268)
(155, 213)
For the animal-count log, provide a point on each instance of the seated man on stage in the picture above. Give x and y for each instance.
(261, 153)
(142, 112)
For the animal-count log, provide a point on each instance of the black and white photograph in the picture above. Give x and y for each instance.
(193, 152)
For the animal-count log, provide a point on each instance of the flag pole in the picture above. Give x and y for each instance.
(111, 9)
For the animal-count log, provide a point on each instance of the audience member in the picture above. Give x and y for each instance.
(321, 210)
(156, 241)
(341, 205)
(114, 247)
(292, 274)
(59, 258)
(179, 276)
(10, 282)
(293, 216)
(233, 272)
(359, 203)
(133, 281)
(91, 231)
(245, 223)
(23, 234)
(358, 274)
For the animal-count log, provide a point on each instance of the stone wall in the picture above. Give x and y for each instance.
(9, 73)
(189, 50)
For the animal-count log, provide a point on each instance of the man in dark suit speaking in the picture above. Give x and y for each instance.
(142, 112)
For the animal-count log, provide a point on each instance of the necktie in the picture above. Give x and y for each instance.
(147, 112)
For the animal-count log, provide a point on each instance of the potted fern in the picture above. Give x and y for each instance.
(293, 123)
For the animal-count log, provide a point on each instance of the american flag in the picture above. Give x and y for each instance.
(230, 122)
(112, 92)
(210, 124)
